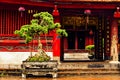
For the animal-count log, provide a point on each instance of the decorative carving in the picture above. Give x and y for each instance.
(18, 38)
(78, 22)
(68, 21)
(10, 48)
(20, 47)
(24, 48)
(10, 38)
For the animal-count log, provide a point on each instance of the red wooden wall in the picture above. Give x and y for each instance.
(11, 20)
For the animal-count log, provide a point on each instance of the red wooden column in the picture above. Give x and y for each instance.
(114, 37)
(89, 40)
(86, 41)
(114, 41)
(56, 39)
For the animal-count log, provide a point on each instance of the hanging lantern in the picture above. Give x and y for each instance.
(91, 32)
(55, 11)
(117, 13)
(21, 9)
(87, 12)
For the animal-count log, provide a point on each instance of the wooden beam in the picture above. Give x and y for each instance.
(28, 2)
(86, 0)
(88, 6)
(66, 4)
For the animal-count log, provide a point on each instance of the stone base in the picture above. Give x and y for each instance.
(114, 62)
(40, 68)
(57, 58)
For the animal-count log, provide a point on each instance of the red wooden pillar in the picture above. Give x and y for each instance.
(56, 39)
(114, 37)
(114, 40)
(89, 40)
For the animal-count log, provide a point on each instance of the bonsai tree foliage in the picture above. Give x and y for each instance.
(90, 48)
(42, 24)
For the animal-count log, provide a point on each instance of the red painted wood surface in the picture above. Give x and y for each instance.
(56, 39)
(28, 2)
(89, 40)
(13, 43)
(114, 40)
(65, 4)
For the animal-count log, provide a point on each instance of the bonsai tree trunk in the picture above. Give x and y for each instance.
(41, 52)
(39, 45)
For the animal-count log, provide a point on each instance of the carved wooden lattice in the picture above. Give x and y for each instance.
(107, 39)
(98, 43)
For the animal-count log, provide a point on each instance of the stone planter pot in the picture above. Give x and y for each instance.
(91, 56)
(39, 68)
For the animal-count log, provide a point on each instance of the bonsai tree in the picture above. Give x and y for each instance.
(90, 48)
(42, 24)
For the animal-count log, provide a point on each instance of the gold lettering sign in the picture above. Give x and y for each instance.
(68, 21)
(78, 21)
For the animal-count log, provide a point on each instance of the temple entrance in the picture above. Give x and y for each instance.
(76, 40)
(73, 47)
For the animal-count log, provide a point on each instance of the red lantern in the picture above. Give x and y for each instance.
(87, 12)
(91, 32)
(55, 11)
(117, 13)
(21, 9)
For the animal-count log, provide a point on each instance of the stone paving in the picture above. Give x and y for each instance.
(75, 68)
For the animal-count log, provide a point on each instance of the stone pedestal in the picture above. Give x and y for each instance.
(57, 58)
(39, 68)
(114, 62)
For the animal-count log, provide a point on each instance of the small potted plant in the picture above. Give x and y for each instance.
(91, 51)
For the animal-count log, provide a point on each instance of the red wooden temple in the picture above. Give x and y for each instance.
(87, 22)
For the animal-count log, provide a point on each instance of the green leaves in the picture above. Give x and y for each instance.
(43, 15)
(34, 21)
(38, 58)
(62, 32)
(90, 47)
(42, 23)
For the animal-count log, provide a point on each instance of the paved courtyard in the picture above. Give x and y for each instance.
(83, 77)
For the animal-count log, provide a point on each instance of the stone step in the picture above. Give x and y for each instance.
(78, 68)
(88, 71)
(89, 65)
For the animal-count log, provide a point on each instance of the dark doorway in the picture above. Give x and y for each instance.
(81, 40)
(71, 40)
